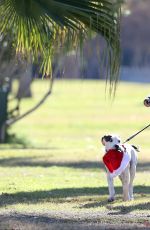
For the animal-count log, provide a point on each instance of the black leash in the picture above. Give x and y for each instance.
(136, 134)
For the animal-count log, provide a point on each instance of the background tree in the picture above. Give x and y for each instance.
(136, 34)
(11, 70)
(46, 28)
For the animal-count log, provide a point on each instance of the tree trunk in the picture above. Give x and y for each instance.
(25, 80)
(3, 133)
(4, 90)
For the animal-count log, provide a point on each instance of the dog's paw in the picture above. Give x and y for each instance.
(126, 199)
(111, 199)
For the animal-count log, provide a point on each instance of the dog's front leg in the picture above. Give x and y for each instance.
(110, 188)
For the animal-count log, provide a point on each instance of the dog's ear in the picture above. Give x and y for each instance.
(107, 138)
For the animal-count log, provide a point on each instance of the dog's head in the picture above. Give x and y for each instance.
(111, 141)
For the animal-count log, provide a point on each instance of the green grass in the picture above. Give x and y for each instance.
(53, 162)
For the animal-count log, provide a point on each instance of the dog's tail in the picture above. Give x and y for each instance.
(136, 148)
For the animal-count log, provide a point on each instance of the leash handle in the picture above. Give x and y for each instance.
(136, 134)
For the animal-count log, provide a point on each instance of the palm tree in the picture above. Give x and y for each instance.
(44, 27)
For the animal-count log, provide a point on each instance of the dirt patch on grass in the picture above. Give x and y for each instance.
(70, 220)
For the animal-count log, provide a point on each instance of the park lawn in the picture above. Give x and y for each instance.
(52, 166)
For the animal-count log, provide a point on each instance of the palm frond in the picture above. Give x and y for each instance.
(43, 26)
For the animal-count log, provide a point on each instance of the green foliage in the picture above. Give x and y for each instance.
(44, 27)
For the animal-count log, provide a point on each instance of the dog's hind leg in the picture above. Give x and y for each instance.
(132, 176)
(133, 164)
(125, 178)
(110, 188)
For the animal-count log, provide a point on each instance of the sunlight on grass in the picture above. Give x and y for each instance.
(53, 160)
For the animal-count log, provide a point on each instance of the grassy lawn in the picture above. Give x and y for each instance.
(51, 171)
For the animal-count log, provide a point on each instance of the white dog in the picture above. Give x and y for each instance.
(120, 160)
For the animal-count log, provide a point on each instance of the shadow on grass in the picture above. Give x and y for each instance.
(55, 195)
(122, 210)
(32, 162)
(7, 221)
(15, 141)
(63, 222)
(61, 195)
(119, 209)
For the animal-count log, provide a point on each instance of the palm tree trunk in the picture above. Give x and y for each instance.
(3, 133)
(24, 90)
(3, 111)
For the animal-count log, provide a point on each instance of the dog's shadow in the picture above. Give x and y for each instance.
(118, 207)
(123, 210)
(95, 204)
